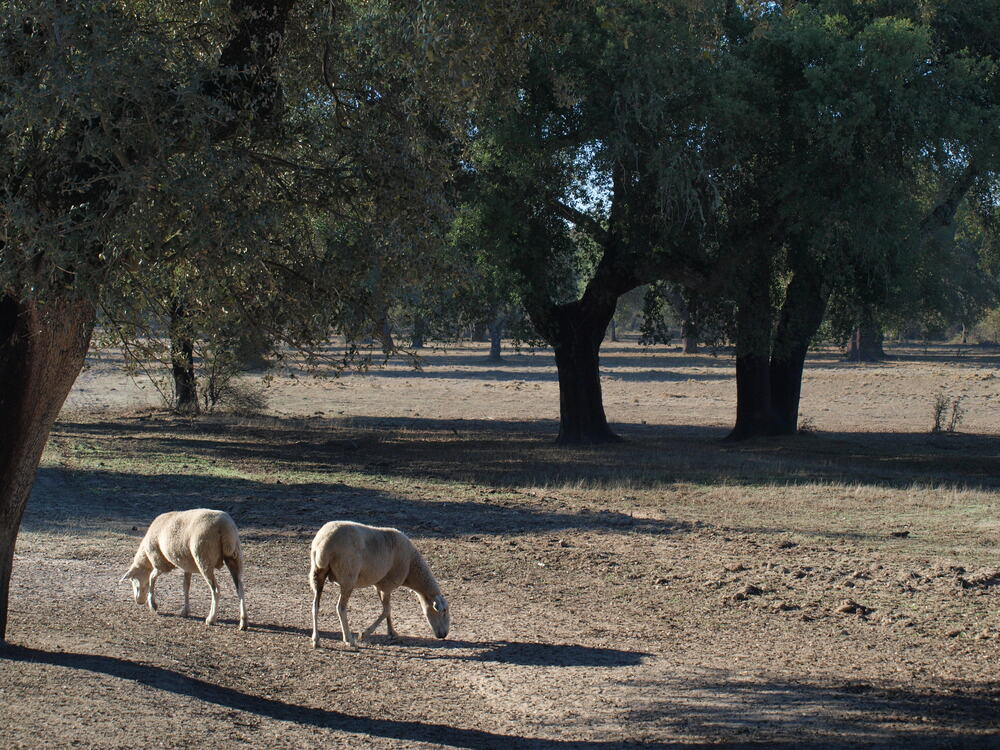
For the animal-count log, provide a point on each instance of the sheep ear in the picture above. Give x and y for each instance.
(440, 603)
(128, 574)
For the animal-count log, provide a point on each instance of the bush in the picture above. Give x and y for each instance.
(987, 331)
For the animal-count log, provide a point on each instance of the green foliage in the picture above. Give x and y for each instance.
(655, 327)
(988, 329)
(135, 168)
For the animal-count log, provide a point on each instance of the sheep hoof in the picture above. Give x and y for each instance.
(243, 626)
(184, 612)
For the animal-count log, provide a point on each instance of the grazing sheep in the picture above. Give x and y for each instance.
(199, 540)
(354, 556)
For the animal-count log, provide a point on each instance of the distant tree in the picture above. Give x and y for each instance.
(852, 113)
(182, 359)
(582, 187)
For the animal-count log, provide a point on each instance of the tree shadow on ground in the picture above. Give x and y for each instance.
(177, 683)
(848, 714)
(521, 454)
(622, 362)
(79, 499)
(785, 713)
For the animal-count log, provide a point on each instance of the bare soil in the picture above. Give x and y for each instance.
(836, 589)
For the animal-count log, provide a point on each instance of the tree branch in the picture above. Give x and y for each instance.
(581, 221)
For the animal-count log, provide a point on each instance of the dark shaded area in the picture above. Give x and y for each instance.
(558, 654)
(499, 652)
(964, 716)
(520, 454)
(651, 365)
(957, 719)
(113, 499)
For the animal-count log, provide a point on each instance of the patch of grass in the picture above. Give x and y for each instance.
(829, 492)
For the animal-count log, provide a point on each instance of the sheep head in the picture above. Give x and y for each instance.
(437, 614)
(139, 578)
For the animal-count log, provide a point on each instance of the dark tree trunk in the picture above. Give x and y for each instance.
(385, 336)
(182, 362)
(755, 413)
(41, 352)
(866, 342)
(799, 319)
(496, 334)
(679, 303)
(581, 404)
(417, 339)
(613, 327)
(575, 332)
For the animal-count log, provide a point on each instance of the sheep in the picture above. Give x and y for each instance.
(354, 556)
(198, 540)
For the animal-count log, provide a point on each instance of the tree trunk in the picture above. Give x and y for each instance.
(577, 338)
(679, 304)
(799, 319)
(42, 348)
(182, 362)
(417, 339)
(755, 414)
(614, 331)
(689, 335)
(866, 342)
(496, 333)
(385, 336)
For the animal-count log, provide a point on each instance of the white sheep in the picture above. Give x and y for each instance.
(354, 556)
(198, 540)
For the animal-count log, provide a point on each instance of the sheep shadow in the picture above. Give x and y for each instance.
(528, 654)
(522, 653)
(519, 653)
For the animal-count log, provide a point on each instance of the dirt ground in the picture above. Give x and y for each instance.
(836, 589)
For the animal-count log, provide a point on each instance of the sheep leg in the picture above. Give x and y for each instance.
(317, 580)
(388, 615)
(236, 570)
(345, 630)
(186, 609)
(384, 596)
(150, 596)
(213, 587)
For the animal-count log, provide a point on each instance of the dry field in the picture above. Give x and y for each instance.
(836, 589)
